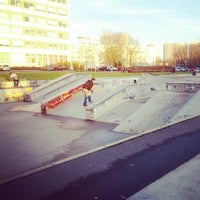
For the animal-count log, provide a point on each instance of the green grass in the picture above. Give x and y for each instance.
(34, 75)
(112, 74)
(50, 75)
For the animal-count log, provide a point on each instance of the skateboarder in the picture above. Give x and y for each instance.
(88, 89)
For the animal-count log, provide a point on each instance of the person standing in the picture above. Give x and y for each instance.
(88, 89)
(14, 78)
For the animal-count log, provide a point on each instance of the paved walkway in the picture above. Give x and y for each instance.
(30, 141)
(181, 184)
(28, 148)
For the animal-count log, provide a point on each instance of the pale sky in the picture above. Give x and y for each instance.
(149, 21)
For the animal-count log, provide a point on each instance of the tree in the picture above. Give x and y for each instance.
(117, 48)
(194, 54)
(181, 53)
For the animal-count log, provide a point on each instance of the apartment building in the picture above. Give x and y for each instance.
(34, 32)
(86, 51)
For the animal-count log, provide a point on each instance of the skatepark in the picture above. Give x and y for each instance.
(134, 107)
(121, 110)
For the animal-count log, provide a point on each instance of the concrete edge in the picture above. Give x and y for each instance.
(39, 169)
(141, 194)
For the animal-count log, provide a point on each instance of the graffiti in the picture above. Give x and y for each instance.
(10, 84)
(128, 96)
(118, 83)
(184, 87)
(62, 98)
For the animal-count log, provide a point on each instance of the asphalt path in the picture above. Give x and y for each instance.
(112, 173)
(128, 176)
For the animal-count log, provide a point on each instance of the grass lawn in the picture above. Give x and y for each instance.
(50, 75)
(33, 75)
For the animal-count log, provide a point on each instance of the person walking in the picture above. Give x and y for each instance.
(88, 89)
(14, 78)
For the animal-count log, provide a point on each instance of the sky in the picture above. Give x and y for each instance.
(148, 21)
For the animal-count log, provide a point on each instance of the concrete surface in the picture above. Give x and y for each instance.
(155, 112)
(31, 141)
(181, 184)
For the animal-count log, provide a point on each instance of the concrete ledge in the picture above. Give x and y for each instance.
(92, 112)
(54, 88)
(130, 92)
(13, 94)
(22, 83)
(9, 93)
(183, 86)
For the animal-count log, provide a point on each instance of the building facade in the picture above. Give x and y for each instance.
(86, 51)
(34, 32)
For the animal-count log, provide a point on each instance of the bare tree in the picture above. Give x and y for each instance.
(181, 53)
(194, 54)
(118, 49)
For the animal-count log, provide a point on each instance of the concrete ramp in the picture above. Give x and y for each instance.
(74, 106)
(189, 110)
(155, 113)
(135, 108)
(103, 89)
(56, 87)
(122, 111)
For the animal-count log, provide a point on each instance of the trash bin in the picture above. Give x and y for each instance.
(194, 73)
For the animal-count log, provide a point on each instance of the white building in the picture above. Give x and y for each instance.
(34, 32)
(85, 51)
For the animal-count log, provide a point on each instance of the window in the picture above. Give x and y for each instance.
(4, 15)
(39, 59)
(30, 44)
(52, 34)
(63, 47)
(62, 24)
(26, 19)
(41, 33)
(29, 19)
(28, 58)
(17, 30)
(4, 2)
(62, 12)
(51, 10)
(17, 43)
(16, 17)
(63, 35)
(42, 45)
(29, 31)
(40, 7)
(4, 28)
(4, 42)
(15, 3)
(62, 1)
(28, 5)
(41, 21)
(52, 22)
(60, 35)
(52, 46)
(33, 58)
